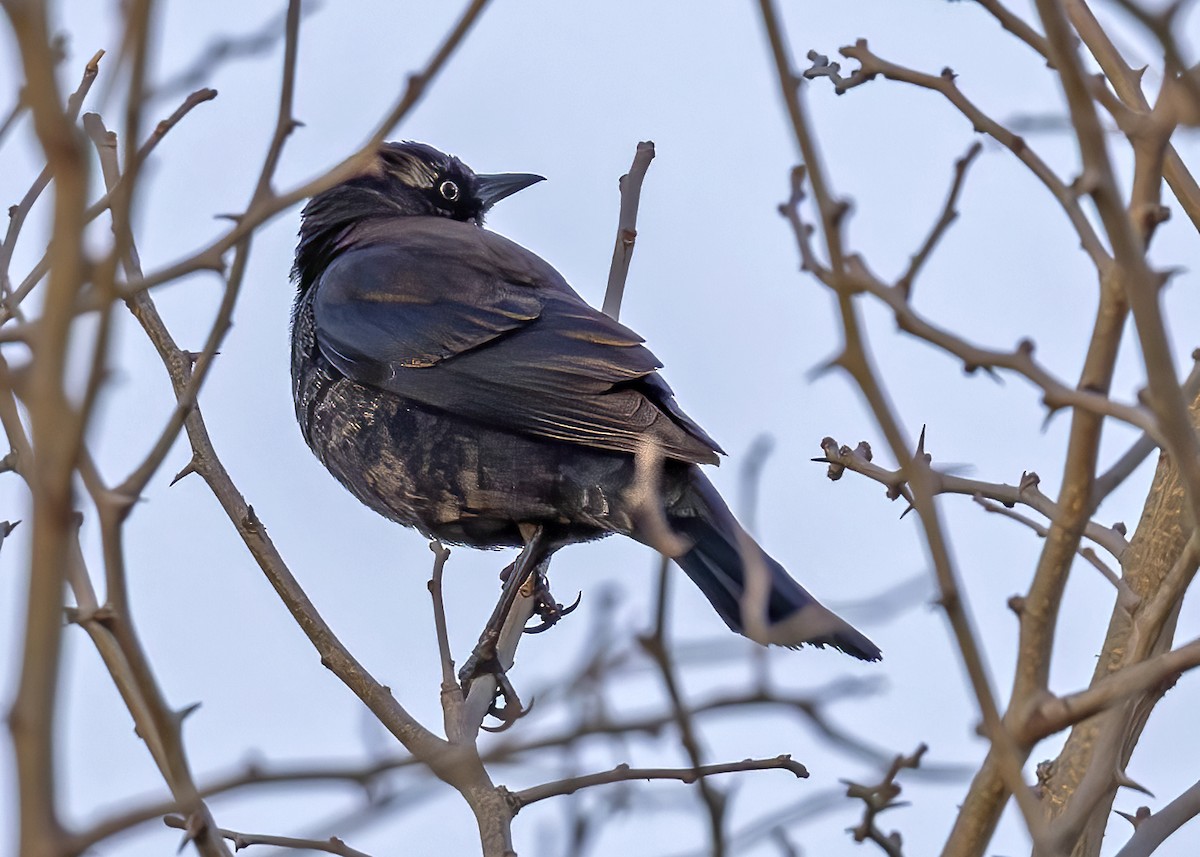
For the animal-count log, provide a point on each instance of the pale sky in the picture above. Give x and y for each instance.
(566, 91)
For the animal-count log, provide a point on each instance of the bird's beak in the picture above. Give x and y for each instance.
(495, 187)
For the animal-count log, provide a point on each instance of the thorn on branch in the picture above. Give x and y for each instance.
(187, 470)
(1123, 779)
(193, 828)
(841, 208)
(186, 712)
(1141, 814)
(7, 527)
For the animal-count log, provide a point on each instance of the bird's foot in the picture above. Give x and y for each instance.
(546, 606)
(483, 661)
(506, 705)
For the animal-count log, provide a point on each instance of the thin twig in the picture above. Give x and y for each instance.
(1057, 713)
(157, 722)
(1025, 493)
(880, 797)
(871, 66)
(333, 845)
(948, 216)
(452, 698)
(631, 194)
(1153, 830)
(1042, 531)
(624, 773)
(56, 433)
(855, 359)
(18, 213)
(655, 645)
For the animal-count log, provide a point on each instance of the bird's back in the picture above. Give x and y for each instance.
(452, 381)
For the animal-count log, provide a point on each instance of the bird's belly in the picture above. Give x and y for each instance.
(457, 480)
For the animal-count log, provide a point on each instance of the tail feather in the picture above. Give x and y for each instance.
(715, 564)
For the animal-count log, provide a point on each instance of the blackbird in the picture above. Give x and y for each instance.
(454, 383)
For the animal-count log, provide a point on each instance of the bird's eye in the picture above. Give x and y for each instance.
(449, 191)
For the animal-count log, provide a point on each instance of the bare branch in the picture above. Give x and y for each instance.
(1153, 830)
(1057, 713)
(18, 213)
(948, 216)
(623, 773)
(881, 797)
(656, 646)
(1125, 593)
(631, 194)
(452, 698)
(333, 845)
(55, 434)
(855, 360)
(871, 66)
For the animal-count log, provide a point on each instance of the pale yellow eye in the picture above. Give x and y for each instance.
(449, 191)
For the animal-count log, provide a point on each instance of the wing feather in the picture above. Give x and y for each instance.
(467, 322)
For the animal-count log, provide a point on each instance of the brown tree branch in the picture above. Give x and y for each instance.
(1026, 493)
(624, 773)
(631, 193)
(112, 628)
(656, 647)
(855, 360)
(18, 213)
(880, 797)
(872, 66)
(1153, 830)
(333, 845)
(55, 435)
(1058, 712)
(948, 216)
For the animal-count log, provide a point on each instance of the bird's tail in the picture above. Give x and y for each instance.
(718, 563)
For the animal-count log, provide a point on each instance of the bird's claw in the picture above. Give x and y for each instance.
(506, 704)
(550, 611)
(510, 711)
(545, 605)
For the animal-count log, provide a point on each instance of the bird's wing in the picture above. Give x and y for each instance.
(469, 323)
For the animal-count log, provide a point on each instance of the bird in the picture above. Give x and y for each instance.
(455, 383)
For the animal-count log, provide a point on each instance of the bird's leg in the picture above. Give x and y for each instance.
(483, 659)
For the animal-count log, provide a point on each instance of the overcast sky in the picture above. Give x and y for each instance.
(567, 90)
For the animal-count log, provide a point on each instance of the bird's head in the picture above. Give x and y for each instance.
(418, 179)
(403, 179)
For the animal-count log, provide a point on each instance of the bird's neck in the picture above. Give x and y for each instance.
(325, 222)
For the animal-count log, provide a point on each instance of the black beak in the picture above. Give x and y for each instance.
(492, 188)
